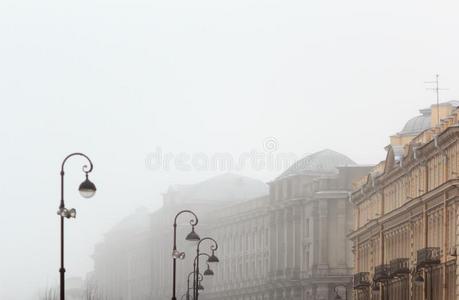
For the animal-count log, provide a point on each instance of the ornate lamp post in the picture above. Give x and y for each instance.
(87, 190)
(419, 280)
(208, 271)
(427, 259)
(200, 278)
(192, 236)
(211, 259)
(200, 287)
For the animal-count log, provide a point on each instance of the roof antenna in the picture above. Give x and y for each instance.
(437, 90)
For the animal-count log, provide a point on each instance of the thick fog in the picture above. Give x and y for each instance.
(125, 80)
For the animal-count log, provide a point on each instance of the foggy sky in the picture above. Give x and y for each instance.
(118, 79)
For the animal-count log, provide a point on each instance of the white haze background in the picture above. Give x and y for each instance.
(116, 79)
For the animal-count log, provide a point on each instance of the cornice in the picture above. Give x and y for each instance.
(407, 208)
(425, 151)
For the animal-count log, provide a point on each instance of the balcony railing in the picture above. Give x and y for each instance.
(361, 280)
(399, 267)
(381, 273)
(428, 256)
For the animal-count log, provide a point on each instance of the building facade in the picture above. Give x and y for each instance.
(406, 217)
(122, 262)
(290, 244)
(134, 260)
(285, 240)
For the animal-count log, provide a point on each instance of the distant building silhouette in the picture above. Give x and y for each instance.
(284, 240)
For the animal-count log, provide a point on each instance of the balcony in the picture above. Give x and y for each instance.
(361, 280)
(399, 267)
(381, 273)
(428, 256)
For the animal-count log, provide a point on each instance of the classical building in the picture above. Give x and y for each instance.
(285, 240)
(203, 198)
(290, 244)
(122, 262)
(406, 218)
(133, 262)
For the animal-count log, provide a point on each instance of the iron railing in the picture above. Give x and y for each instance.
(399, 267)
(428, 256)
(382, 272)
(361, 280)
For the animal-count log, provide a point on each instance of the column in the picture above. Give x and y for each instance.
(273, 242)
(456, 215)
(315, 235)
(323, 233)
(297, 240)
(341, 233)
(280, 240)
(289, 236)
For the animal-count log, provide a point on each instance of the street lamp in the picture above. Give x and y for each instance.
(427, 259)
(419, 280)
(188, 285)
(211, 259)
(87, 190)
(192, 236)
(338, 297)
(208, 272)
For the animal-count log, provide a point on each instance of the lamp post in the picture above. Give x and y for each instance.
(212, 259)
(87, 190)
(207, 272)
(338, 297)
(200, 287)
(192, 236)
(419, 280)
(188, 283)
(427, 259)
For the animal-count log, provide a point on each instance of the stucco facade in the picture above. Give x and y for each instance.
(406, 217)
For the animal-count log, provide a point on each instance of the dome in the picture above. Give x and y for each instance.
(322, 162)
(417, 124)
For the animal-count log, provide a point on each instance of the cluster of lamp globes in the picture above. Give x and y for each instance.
(87, 189)
(194, 237)
(209, 272)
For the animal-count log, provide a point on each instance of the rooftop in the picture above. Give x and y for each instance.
(225, 187)
(323, 162)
